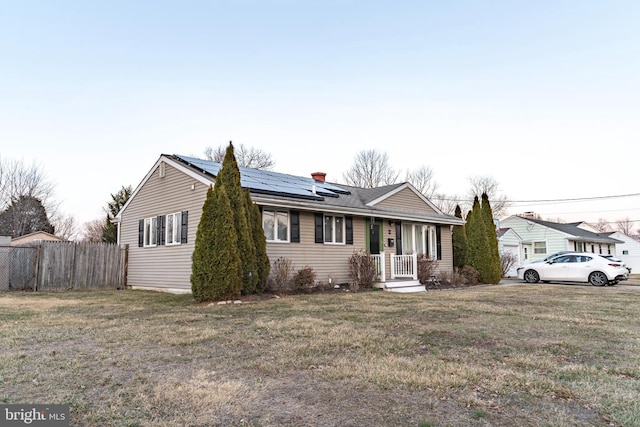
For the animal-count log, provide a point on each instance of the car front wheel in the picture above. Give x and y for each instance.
(531, 276)
(598, 278)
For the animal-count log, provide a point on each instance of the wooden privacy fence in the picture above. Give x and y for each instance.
(59, 266)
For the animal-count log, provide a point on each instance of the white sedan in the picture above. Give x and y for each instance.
(575, 267)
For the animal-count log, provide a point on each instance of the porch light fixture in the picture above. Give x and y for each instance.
(391, 222)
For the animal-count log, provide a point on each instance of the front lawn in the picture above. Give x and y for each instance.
(510, 355)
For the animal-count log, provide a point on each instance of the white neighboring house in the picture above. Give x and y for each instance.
(543, 238)
(509, 242)
(629, 251)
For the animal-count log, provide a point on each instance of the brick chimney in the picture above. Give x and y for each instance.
(318, 176)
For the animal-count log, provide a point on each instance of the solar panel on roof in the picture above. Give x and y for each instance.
(268, 182)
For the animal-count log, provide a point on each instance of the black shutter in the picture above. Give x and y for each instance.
(348, 222)
(183, 227)
(158, 229)
(141, 233)
(295, 226)
(162, 223)
(398, 238)
(439, 241)
(319, 226)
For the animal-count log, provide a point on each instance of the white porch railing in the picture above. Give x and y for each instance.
(404, 266)
(380, 267)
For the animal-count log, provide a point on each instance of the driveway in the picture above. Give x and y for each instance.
(632, 283)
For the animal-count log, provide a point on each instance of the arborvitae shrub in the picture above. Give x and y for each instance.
(263, 266)
(493, 270)
(229, 176)
(459, 240)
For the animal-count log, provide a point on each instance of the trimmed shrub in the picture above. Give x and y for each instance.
(305, 279)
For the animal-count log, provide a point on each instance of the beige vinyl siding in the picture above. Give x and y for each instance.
(162, 266)
(325, 259)
(446, 249)
(406, 200)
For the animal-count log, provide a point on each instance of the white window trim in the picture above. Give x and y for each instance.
(533, 247)
(152, 228)
(428, 231)
(333, 231)
(177, 225)
(275, 225)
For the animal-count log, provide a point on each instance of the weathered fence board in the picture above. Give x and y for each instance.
(58, 266)
(17, 267)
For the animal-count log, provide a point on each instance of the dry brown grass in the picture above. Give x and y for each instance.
(520, 355)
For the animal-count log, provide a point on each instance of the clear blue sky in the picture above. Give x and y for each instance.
(544, 96)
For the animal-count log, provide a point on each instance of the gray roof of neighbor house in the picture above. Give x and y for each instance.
(579, 234)
(501, 232)
(307, 193)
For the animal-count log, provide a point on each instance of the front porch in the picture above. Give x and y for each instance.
(403, 273)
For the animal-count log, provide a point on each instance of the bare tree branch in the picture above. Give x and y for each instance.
(625, 226)
(422, 179)
(19, 180)
(602, 226)
(247, 157)
(370, 169)
(93, 231)
(488, 185)
(447, 204)
(66, 228)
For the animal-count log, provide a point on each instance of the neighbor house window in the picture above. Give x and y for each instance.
(172, 228)
(150, 231)
(625, 252)
(276, 225)
(333, 229)
(539, 247)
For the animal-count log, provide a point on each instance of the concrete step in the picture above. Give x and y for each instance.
(407, 286)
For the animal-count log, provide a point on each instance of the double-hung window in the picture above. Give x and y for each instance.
(161, 230)
(173, 225)
(276, 225)
(334, 229)
(539, 247)
(151, 231)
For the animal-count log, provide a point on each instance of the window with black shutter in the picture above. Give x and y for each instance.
(349, 230)
(319, 228)
(294, 217)
(141, 233)
(183, 227)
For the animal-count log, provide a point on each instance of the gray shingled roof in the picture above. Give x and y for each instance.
(580, 234)
(306, 193)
